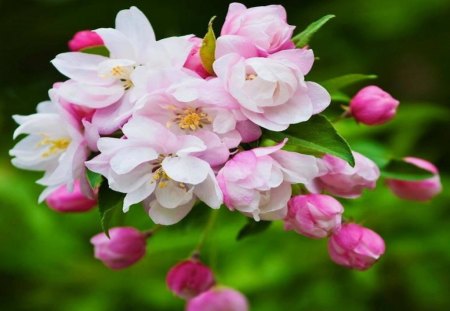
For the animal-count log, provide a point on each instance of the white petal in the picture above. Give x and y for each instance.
(168, 216)
(209, 191)
(172, 196)
(127, 159)
(81, 67)
(90, 96)
(186, 169)
(117, 43)
(138, 195)
(319, 96)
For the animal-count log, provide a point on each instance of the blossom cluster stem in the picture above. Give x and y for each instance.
(209, 225)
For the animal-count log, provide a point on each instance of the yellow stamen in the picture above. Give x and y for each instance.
(191, 119)
(250, 77)
(54, 145)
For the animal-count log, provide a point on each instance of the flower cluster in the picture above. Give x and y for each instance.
(171, 122)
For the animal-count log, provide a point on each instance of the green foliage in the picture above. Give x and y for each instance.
(94, 179)
(208, 48)
(316, 137)
(303, 38)
(337, 84)
(399, 169)
(96, 50)
(253, 227)
(109, 202)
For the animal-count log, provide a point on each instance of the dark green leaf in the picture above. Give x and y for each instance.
(109, 202)
(303, 38)
(94, 179)
(208, 48)
(373, 150)
(316, 137)
(401, 170)
(336, 84)
(253, 227)
(96, 50)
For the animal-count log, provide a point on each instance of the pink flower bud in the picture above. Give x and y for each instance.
(356, 247)
(218, 299)
(314, 215)
(125, 246)
(62, 200)
(189, 278)
(193, 61)
(373, 106)
(249, 131)
(345, 181)
(420, 190)
(84, 39)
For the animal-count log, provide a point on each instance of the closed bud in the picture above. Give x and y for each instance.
(356, 247)
(84, 39)
(218, 299)
(125, 246)
(373, 106)
(314, 215)
(189, 278)
(420, 190)
(65, 201)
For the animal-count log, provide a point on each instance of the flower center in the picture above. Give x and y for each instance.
(160, 176)
(123, 74)
(250, 76)
(55, 146)
(191, 119)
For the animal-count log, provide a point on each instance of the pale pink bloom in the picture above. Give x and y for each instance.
(340, 179)
(264, 26)
(218, 299)
(84, 39)
(314, 215)
(189, 108)
(54, 144)
(249, 131)
(193, 61)
(420, 190)
(151, 163)
(272, 91)
(258, 182)
(356, 247)
(124, 247)
(189, 278)
(66, 201)
(373, 106)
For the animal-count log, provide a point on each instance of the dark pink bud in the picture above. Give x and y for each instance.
(356, 247)
(65, 201)
(373, 106)
(84, 39)
(420, 190)
(218, 299)
(125, 246)
(193, 61)
(314, 215)
(189, 278)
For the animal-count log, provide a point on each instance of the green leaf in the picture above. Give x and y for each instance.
(208, 48)
(303, 38)
(316, 137)
(336, 84)
(401, 170)
(109, 202)
(96, 50)
(94, 179)
(340, 97)
(253, 227)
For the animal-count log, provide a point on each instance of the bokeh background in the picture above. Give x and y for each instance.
(46, 260)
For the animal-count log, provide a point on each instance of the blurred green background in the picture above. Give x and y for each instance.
(46, 260)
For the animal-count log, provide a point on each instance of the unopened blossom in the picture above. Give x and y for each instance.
(356, 247)
(258, 182)
(55, 144)
(313, 215)
(272, 91)
(124, 247)
(249, 131)
(193, 61)
(84, 39)
(265, 27)
(189, 278)
(420, 190)
(151, 163)
(218, 299)
(65, 201)
(373, 106)
(340, 179)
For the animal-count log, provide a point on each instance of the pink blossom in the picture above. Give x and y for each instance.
(193, 61)
(355, 247)
(272, 91)
(84, 39)
(249, 131)
(65, 201)
(340, 179)
(124, 247)
(314, 215)
(264, 26)
(373, 106)
(258, 182)
(218, 299)
(189, 278)
(420, 190)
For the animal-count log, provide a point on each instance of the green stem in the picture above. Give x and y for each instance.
(346, 114)
(150, 232)
(209, 225)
